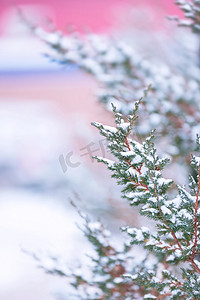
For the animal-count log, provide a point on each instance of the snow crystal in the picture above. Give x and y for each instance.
(94, 225)
(110, 128)
(72, 56)
(107, 233)
(146, 208)
(175, 292)
(52, 38)
(150, 158)
(149, 296)
(151, 185)
(166, 272)
(153, 199)
(145, 229)
(137, 159)
(180, 2)
(171, 258)
(184, 213)
(124, 126)
(176, 201)
(185, 22)
(66, 43)
(133, 277)
(155, 280)
(91, 65)
(173, 219)
(157, 173)
(114, 56)
(77, 272)
(127, 153)
(179, 234)
(151, 242)
(98, 43)
(165, 210)
(126, 49)
(162, 244)
(162, 181)
(118, 280)
(132, 171)
(109, 162)
(186, 7)
(132, 194)
(197, 159)
(138, 146)
(135, 195)
(190, 197)
(177, 253)
(197, 262)
(48, 263)
(137, 233)
(144, 170)
(40, 32)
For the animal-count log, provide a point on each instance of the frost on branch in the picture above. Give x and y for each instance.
(109, 262)
(123, 73)
(191, 11)
(138, 168)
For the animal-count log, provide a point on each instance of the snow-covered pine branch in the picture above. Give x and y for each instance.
(138, 168)
(123, 72)
(191, 11)
(108, 263)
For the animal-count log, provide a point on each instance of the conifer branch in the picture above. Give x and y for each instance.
(171, 105)
(195, 215)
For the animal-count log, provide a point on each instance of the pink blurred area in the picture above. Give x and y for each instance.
(94, 15)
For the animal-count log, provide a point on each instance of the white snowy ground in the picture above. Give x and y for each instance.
(32, 218)
(28, 222)
(35, 213)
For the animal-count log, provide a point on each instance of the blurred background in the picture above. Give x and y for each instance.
(45, 115)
